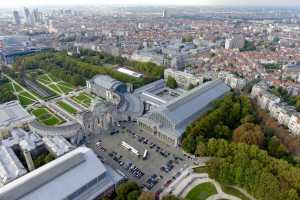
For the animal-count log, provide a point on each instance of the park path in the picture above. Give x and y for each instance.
(244, 192)
(189, 179)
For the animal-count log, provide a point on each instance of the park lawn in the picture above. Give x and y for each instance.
(54, 88)
(45, 116)
(65, 84)
(234, 192)
(26, 98)
(44, 77)
(39, 112)
(202, 192)
(25, 101)
(64, 88)
(53, 78)
(45, 82)
(28, 95)
(67, 107)
(83, 99)
(52, 121)
(18, 88)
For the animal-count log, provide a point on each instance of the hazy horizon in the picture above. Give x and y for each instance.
(21, 3)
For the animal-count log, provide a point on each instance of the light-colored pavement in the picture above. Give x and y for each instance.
(189, 180)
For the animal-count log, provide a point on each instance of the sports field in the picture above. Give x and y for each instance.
(67, 107)
(83, 99)
(47, 117)
(57, 86)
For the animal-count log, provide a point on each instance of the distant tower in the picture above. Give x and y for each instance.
(36, 15)
(164, 14)
(51, 28)
(27, 15)
(17, 18)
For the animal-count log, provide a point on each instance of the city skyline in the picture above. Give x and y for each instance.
(20, 3)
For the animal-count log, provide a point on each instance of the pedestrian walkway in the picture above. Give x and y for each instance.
(189, 180)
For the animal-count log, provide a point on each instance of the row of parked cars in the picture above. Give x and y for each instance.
(152, 181)
(99, 146)
(169, 166)
(134, 170)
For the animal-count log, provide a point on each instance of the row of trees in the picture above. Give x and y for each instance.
(150, 70)
(131, 191)
(76, 71)
(237, 119)
(5, 91)
(247, 166)
(245, 145)
(226, 116)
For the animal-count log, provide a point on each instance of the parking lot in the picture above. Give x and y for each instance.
(161, 166)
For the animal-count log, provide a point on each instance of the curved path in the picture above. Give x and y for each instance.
(189, 179)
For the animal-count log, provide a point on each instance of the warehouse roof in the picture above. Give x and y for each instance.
(181, 111)
(59, 178)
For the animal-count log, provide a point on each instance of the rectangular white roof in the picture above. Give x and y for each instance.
(59, 178)
(130, 72)
(57, 145)
(11, 113)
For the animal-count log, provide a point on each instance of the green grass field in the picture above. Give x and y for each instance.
(201, 192)
(234, 192)
(67, 107)
(25, 98)
(57, 86)
(83, 99)
(63, 87)
(47, 117)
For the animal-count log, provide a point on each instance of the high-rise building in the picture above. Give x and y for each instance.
(27, 14)
(236, 42)
(17, 17)
(165, 13)
(36, 15)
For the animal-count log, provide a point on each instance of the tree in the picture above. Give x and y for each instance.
(171, 82)
(133, 195)
(275, 148)
(147, 196)
(171, 197)
(201, 149)
(188, 38)
(249, 133)
(298, 104)
(191, 86)
(263, 176)
(124, 189)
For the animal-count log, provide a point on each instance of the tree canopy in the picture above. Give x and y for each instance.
(76, 70)
(171, 82)
(247, 166)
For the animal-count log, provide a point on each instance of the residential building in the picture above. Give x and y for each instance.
(183, 79)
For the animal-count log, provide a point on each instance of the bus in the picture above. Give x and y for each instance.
(145, 154)
(130, 148)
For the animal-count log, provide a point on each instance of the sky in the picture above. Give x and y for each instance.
(20, 3)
